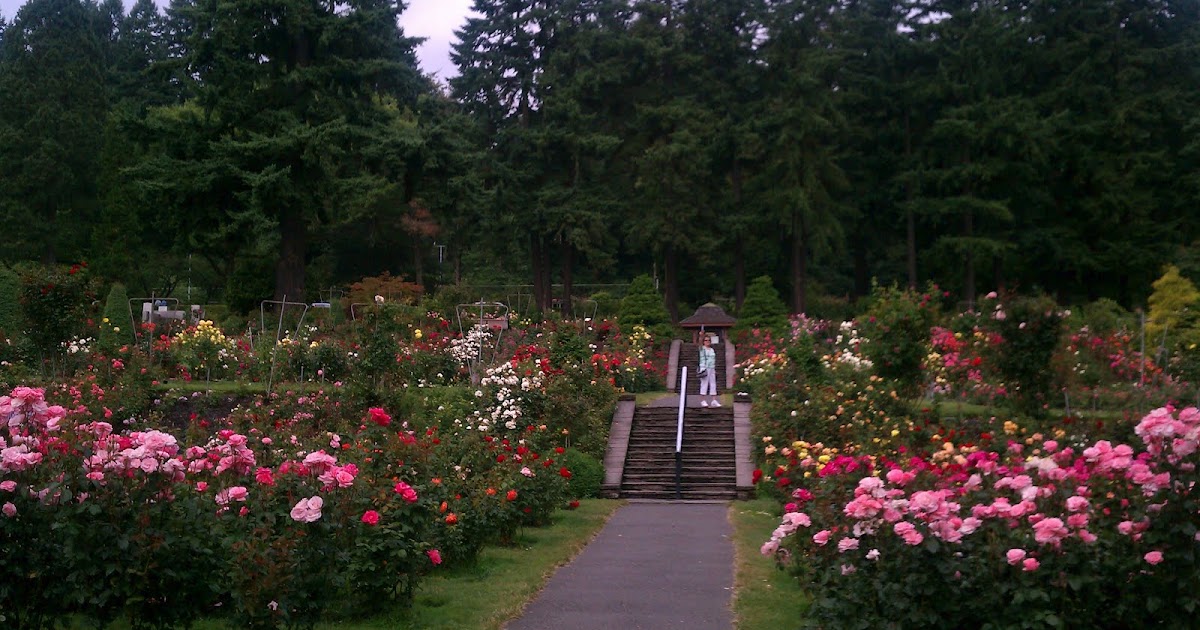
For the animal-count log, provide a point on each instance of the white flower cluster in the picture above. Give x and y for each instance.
(507, 407)
(468, 348)
(761, 364)
(78, 345)
(848, 348)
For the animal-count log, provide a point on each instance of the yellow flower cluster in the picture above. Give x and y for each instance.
(204, 332)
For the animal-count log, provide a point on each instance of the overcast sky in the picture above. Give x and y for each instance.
(432, 19)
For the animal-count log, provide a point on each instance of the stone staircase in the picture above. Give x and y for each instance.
(709, 470)
(689, 355)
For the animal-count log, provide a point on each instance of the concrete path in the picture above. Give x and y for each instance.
(653, 566)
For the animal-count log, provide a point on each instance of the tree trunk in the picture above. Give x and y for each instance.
(862, 270)
(547, 284)
(910, 245)
(671, 282)
(289, 271)
(799, 251)
(568, 259)
(539, 284)
(739, 271)
(969, 261)
(49, 255)
(418, 260)
(910, 219)
(739, 245)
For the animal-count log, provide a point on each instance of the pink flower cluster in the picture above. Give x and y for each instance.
(28, 421)
(1049, 499)
(141, 451)
(308, 510)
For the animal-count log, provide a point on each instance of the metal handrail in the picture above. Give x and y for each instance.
(679, 432)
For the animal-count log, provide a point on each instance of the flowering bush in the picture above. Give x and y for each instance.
(1093, 535)
(135, 524)
(203, 347)
(898, 325)
(1030, 328)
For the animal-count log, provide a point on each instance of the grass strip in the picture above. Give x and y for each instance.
(503, 582)
(764, 598)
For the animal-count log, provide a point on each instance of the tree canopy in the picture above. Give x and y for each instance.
(263, 148)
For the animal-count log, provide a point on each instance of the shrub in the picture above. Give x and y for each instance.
(1030, 329)
(114, 326)
(1099, 537)
(384, 285)
(57, 299)
(587, 475)
(10, 307)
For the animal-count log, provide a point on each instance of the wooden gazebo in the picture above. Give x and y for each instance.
(709, 319)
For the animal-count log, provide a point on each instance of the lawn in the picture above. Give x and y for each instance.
(497, 589)
(765, 598)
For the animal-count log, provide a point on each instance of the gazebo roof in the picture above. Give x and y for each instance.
(710, 316)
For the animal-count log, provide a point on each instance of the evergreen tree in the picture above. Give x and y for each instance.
(299, 118)
(803, 180)
(763, 308)
(1173, 296)
(52, 96)
(644, 305)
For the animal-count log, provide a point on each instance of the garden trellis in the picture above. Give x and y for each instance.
(484, 318)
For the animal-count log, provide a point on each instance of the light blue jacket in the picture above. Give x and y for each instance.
(708, 358)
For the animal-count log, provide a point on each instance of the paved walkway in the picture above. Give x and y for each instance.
(654, 565)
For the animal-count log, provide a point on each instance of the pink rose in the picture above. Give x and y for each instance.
(264, 476)
(1154, 557)
(238, 493)
(435, 556)
(406, 492)
(10, 511)
(1030, 564)
(822, 537)
(307, 510)
(1015, 556)
(846, 544)
(201, 486)
(379, 416)
(370, 517)
(1077, 504)
(8, 485)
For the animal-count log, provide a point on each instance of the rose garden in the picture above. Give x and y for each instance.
(1015, 465)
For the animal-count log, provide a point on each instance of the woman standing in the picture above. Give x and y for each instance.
(708, 372)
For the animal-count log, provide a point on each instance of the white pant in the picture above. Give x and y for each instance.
(708, 383)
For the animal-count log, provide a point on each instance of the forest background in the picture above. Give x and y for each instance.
(251, 149)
